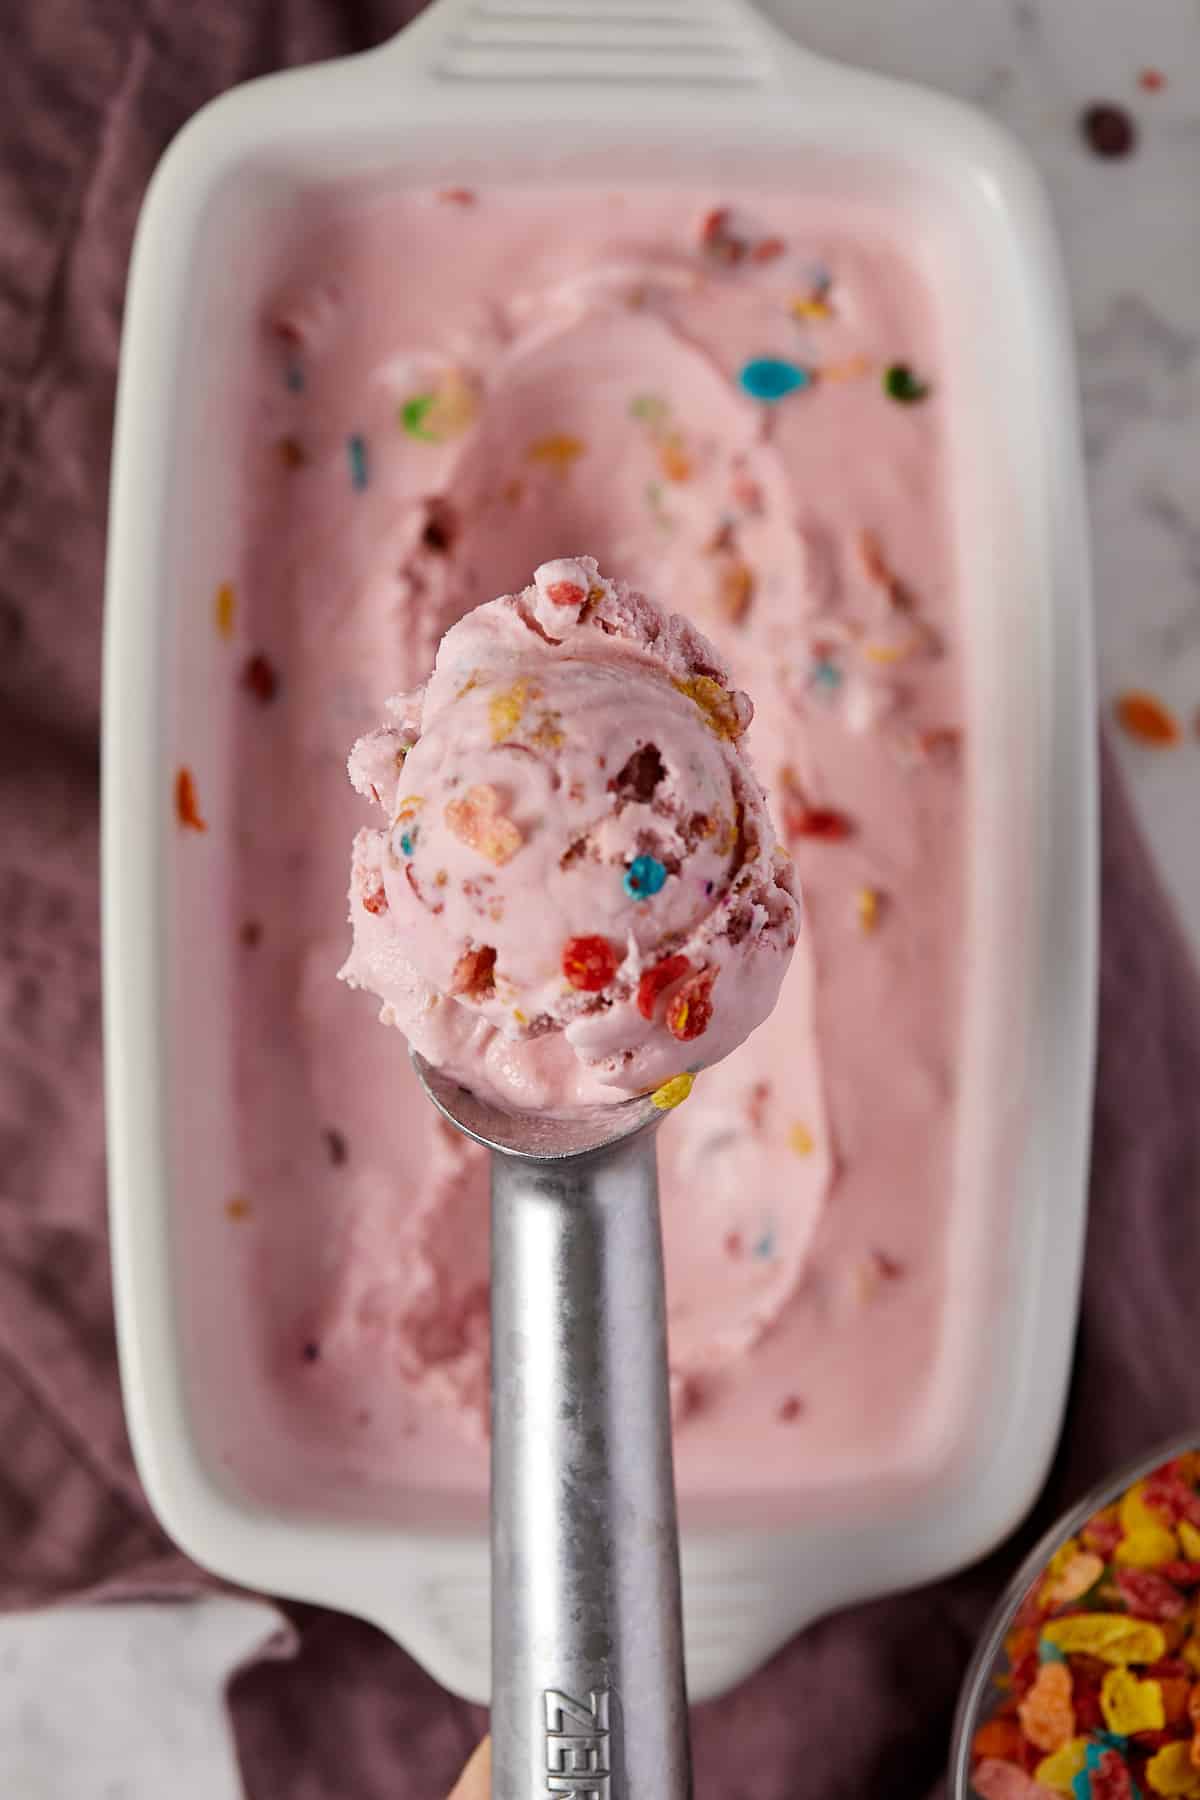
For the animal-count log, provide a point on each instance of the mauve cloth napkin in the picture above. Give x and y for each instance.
(860, 1704)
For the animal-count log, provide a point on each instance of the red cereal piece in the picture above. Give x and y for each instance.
(187, 804)
(1148, 1595)
(457, 196)
(767, 249)
(655, 980)
(1089, 1715)
(1111, 1779)
(791, 1408)
(734, 1244)
(1103, 1533)
(1181, 1574)
(717, 239)
(690, 1011)
(375, 900)
(1152, 81)
(1168, 1494)
(1024, 1673)
(565, 593)
(589, 963)
(816, 822)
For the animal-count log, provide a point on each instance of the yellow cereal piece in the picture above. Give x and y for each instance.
(715, 702)
(1189, 1540)
(410, 806)
(673, 1093)
(810, 306)
(505, 710)
(1130, 1705)
(556, 452)
(225, 609)
(1110, 1637)
(1146, 1547)
(1058, 1770)
(866, 907)
(1171, 1771)
(801, 1140)
(453, 407)
(1191, 1654)
(520, 1017)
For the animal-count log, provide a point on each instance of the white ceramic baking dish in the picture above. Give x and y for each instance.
(527, 90)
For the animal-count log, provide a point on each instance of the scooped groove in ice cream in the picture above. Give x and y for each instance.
(578, 893)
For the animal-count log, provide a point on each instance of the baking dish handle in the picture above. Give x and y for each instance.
(706, 45)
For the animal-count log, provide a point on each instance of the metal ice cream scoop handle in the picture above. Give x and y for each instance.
(588, 1695)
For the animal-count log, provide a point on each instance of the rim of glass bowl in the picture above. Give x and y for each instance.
(978, 1676)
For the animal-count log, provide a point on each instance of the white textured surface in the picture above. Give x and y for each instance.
(124, 1704)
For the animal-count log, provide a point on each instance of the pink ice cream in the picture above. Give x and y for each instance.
(577, 895)
(565, 372)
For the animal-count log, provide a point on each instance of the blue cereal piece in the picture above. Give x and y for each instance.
(644, 878)
(771, 378)
(356, 448)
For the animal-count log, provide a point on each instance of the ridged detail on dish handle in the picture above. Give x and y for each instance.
(731, 1622)
(675, 43)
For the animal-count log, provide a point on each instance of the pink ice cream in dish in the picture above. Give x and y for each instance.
(577, 894)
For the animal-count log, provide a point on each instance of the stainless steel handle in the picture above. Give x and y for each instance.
(588, 1695)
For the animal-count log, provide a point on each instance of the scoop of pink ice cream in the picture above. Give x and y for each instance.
(577, 892)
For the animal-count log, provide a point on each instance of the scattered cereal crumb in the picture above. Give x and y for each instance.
(260, 678)
(225, 609)
(457, 196)
(673, 1093)
(291, 453)
(1108, 130)
(1152, 81)
(902, 385)
(1147, 719)
(556, 452)
(735, 1244)
(800, 1139)
(237, 1208)
(735, 591)
(790, 1409)
(336, 1146)
(187, 804)
(311, 1351)
(250, 934)
(724, 712)
(868, 905)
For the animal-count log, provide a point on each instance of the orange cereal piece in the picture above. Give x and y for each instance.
(1000, 1738)
(1147, 719)
(187, 804)
(1046, 1713)
(476, 821)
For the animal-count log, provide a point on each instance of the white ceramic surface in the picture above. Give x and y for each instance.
(730, 96)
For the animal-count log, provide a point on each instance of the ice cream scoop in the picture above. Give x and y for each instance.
(577, 894)
(576, 902)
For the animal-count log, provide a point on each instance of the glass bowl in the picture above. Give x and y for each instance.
(977, 1698)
